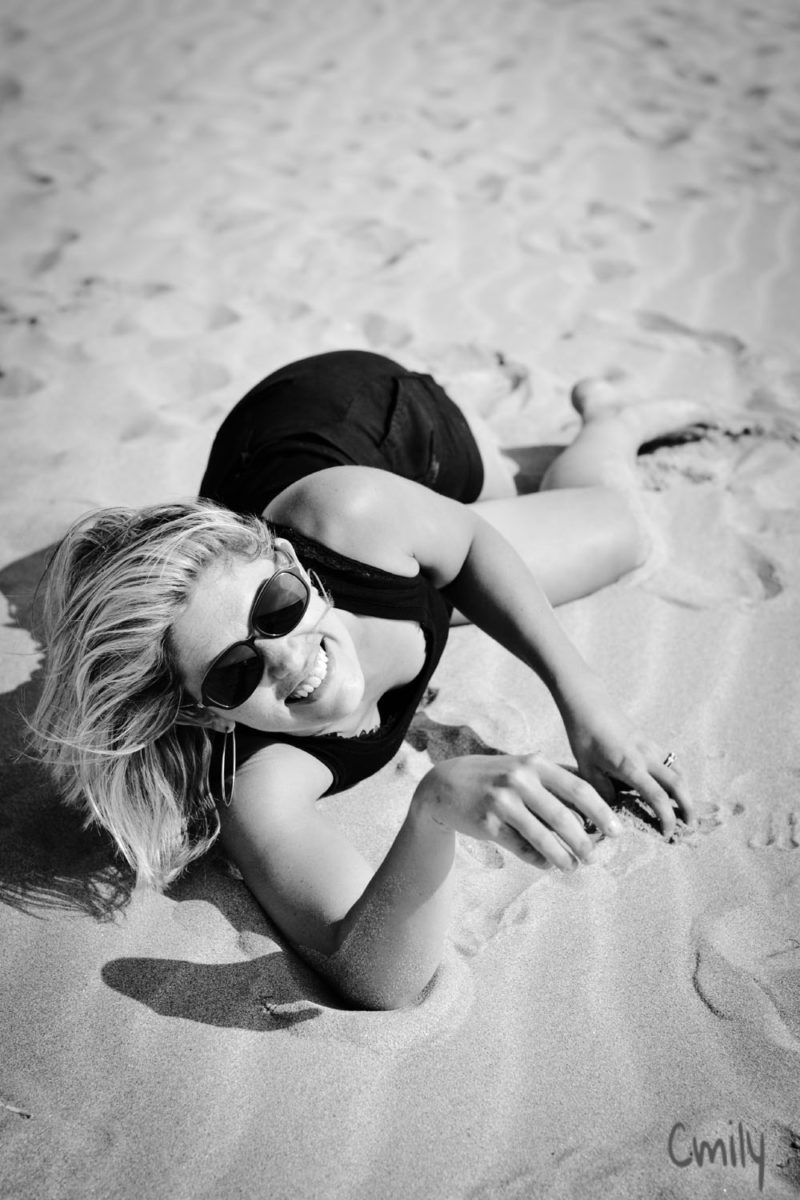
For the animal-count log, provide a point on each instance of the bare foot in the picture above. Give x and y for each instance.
(649, 420)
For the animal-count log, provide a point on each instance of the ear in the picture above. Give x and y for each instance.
(204, 718)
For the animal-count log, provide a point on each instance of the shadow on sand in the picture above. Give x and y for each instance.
(51, 864)
(48, 861)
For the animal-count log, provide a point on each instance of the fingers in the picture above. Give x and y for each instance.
(602, 785)
(662, 787)
(509, 839)
(537, 806)
(562, 844)
(580, 795)
(536, 811)
(656, 797)
(672, 781)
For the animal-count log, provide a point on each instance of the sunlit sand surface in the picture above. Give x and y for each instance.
(511, 196)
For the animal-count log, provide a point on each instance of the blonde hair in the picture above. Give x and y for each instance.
(110, 720)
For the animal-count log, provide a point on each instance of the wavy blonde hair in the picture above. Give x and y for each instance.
(112, 723)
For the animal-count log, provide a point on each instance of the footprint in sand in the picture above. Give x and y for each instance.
(615, 1166)
(169, 316)
(709, 565)
(764, 810)
(747, 969)
(728, 534)
(18, 382)
(764, 570)
(383, 333)
(780, 831)
(488, 906)
(705, 823)
(373, 243)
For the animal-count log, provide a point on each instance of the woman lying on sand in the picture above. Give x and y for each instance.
(210, 672)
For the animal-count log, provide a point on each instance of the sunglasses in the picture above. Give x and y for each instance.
(279, 606)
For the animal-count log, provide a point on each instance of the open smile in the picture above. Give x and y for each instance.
(313, 679)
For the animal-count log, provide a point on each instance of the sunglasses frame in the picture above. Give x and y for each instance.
(256, 635)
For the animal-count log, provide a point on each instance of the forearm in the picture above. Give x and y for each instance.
(496, 590)
(389, 945)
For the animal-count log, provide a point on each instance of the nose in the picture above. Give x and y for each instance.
(282, 657)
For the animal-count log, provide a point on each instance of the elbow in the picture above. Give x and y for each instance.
(375, 981)
(386, 999)
(384, 995)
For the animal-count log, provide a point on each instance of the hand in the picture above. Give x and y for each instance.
(610, 749)
(524, 803)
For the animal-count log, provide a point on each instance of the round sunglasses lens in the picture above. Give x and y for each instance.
(281, 605)
(234, 678)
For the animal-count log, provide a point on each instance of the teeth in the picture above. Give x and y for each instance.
(312, 681)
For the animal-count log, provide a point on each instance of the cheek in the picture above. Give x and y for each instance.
(348, 689)
(348, 677)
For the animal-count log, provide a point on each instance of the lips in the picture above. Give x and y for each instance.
(308, 686)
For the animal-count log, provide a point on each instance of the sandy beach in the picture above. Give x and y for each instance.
(511, 196)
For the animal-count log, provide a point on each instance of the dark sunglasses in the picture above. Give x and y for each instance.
(279, 606)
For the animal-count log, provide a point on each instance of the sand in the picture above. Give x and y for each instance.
(511, 195)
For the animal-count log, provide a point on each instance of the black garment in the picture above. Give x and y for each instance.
(368, 591)
(347, 407)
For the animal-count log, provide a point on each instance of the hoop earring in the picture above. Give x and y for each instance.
(229, 733)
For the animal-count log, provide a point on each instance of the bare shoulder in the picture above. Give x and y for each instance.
(352, 510)
(377, 517)
(278, 779)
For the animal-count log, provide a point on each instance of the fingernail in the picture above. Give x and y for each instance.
(614, 827)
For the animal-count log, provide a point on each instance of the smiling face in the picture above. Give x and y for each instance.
(311, 680)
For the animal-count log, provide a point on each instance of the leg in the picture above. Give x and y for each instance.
(585, 528)
(614, 428)
(575, 540)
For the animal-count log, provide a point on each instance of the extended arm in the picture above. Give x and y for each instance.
(389, 521)
(497, 591)
(377, 937)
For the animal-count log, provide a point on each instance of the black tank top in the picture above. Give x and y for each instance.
(367, 591)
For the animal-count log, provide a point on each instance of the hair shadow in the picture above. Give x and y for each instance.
(48, 859)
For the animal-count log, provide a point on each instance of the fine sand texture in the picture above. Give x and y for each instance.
(512, 195)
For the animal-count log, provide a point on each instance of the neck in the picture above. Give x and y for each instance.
(386, 651)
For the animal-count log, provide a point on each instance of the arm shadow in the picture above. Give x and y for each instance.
(50, 863)
(264, 993)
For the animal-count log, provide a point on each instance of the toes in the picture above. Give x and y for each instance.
(590, 392)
